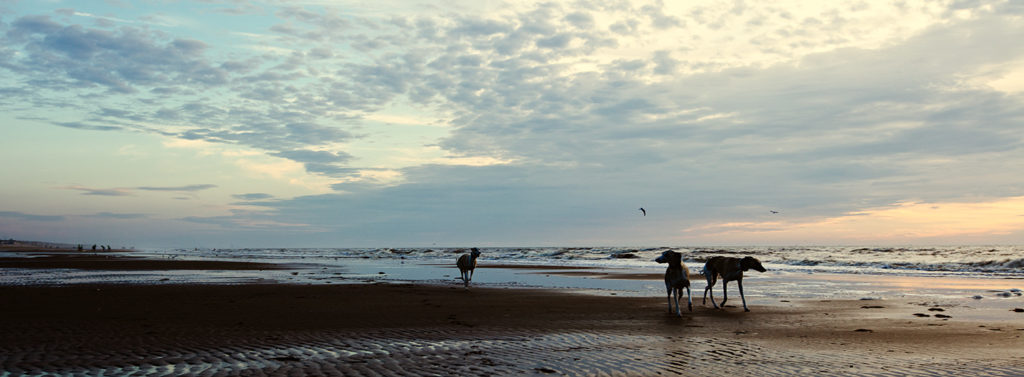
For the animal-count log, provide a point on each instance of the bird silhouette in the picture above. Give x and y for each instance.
(643, 210)
(773, 211)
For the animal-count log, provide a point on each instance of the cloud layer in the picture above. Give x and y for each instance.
(703, 114)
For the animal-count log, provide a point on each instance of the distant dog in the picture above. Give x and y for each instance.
(467, 263)
(677, 277)
(731, 269)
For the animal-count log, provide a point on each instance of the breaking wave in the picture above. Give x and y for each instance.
(986, 260)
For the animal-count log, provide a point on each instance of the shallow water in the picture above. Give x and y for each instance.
(619, 279)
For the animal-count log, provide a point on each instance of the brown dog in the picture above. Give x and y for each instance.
(677, 277)
(730, 269)
(466, 264)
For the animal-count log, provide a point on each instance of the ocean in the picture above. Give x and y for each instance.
(975, 261)
(795, 272)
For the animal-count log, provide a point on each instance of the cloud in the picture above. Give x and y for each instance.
(319, 161)
(252, 196)
(248, 221)
(59, 58)
(99, 192)
(280, 112)
(494, 205)
(119, 60)
(658, 19)
(828, 134)
(84, 126)
(240, 9)
(899, 222)
(128, 191)
(29, 217)
(120, 216)
(187, 188)
(221, 220)
(777, 118)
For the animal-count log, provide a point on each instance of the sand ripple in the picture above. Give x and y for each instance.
(466, 352)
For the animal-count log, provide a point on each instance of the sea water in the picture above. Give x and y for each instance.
(980, 277)
(985, 261)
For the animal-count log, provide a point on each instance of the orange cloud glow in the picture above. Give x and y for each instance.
(901, 222)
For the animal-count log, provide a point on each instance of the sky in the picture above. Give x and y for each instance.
(317, 123)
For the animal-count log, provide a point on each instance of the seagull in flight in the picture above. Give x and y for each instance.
(773, 211)
(643, 210)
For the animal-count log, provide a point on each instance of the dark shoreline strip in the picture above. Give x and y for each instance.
(121, 263)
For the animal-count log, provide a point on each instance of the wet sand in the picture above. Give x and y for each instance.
(394, 328)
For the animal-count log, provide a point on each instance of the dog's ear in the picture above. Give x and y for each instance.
(747, 263)
(751, 263)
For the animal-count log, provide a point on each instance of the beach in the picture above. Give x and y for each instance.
(391, 326)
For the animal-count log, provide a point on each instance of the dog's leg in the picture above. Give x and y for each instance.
(673, 298)
(676, 292)
(711, 278)
(689, 299)
(740, 283)
(725, 292)
(669, 299)
(711, 292)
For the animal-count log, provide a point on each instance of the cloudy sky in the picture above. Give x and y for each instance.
(511, 123)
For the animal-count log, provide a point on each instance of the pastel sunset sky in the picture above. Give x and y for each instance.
(217, 123)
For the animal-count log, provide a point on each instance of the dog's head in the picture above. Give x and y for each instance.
(751, 263)
(670, 257)
(475, 252)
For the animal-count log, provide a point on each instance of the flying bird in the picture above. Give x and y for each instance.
(643, 210)
(774, 212)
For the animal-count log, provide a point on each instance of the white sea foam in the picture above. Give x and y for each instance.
(1000, 261)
